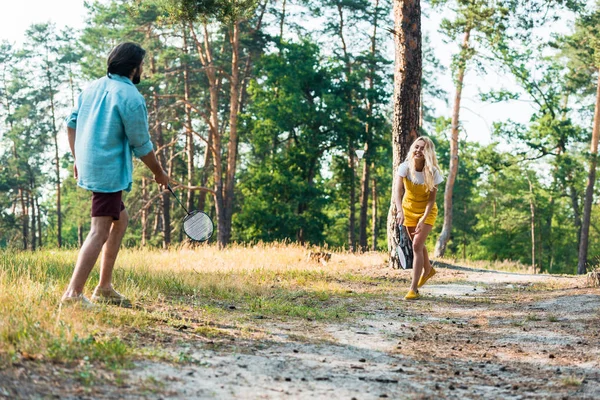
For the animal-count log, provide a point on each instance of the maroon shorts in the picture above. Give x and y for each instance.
(107, 205)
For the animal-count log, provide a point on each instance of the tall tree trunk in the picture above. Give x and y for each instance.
(25, 217)
(364, 183)
(442, 242)
(39, 222)
(50, 87)
(352, 211)
(232, 148)
(282, 21)
(351, 148)
(214, 140)
(532, 214)
(407, 91)
(374, 213)
(56, 156)
(188, 122)
(576, 208)
(589, 190)
(364, 201)
(204, 174)
(144, 216)
(33, 211)
(160, 142)
(548, 243)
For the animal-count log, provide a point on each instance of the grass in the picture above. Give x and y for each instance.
(504, 265)
(192, 290)
(552, 318)
(572, 381)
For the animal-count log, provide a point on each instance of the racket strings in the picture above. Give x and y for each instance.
(198, 226)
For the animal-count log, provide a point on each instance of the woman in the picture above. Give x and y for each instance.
(416, 183)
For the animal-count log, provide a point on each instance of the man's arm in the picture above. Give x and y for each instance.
(71, 134)
(160, 176)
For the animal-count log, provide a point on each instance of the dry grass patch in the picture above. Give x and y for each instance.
(197, 290)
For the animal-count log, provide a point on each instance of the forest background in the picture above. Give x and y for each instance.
(258, 118)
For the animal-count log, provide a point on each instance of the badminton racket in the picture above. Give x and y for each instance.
(197, 225)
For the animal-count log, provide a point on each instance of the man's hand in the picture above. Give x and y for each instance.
(162, 178)
(75, 173)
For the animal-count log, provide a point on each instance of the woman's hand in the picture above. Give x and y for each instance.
(419, 226)
(399, 218)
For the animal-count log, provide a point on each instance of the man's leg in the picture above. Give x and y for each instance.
(111, 250)
(88, 255)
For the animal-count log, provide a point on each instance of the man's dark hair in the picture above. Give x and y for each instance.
(124, 58)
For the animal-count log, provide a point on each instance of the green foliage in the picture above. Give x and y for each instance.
(289, 117)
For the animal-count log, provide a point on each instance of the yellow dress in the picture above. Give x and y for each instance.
(414, 203)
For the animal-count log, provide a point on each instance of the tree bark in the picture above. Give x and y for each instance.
(160, 142)
(282, 21)
(214, 141)
(144, 216)
(33, 210)
(39, 222)
(232, 147)
(374, 214)
(351, 148)
(407, 92)
(442, 242)
(364, 183)
(589, 190)
(352, 211)
(56, 156)
(25, 216)
(188, 123)
(532, 214)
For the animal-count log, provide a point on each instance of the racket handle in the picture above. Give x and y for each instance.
(176, 198)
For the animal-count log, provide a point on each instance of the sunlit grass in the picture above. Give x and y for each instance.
(504, 265)
(198, 287)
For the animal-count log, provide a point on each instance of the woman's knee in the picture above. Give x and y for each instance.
(418, 245)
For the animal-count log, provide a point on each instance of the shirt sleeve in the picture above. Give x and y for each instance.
(71, 120)
(403, 170)
(438, 177)
(135, 122)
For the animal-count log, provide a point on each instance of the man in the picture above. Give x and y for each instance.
(109, 122)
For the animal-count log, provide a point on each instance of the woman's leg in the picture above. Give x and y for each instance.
(419, 254)
(426, 263)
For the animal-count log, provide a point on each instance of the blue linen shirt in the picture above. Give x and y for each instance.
(110, 120)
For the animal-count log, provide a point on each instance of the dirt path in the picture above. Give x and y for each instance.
(475, 334)
(488, 335)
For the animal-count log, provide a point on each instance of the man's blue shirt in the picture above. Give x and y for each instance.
(111, 121)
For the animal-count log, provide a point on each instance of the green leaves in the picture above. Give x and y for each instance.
(222, 10)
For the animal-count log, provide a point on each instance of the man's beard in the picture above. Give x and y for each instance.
(136, 78)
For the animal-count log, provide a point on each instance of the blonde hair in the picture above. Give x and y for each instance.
(431, 163)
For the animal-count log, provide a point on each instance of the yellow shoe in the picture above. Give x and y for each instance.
(426, 278)
(412, 295)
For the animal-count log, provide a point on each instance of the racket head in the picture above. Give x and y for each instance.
(198, 226)
(404, 248)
